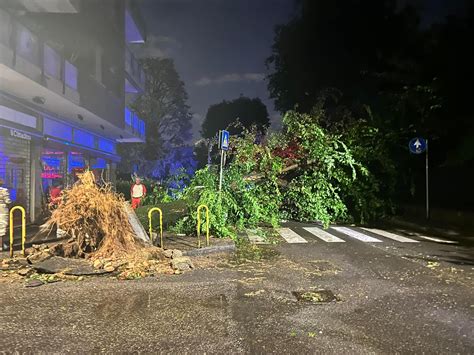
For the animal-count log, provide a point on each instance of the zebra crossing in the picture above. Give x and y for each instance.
(335, 234)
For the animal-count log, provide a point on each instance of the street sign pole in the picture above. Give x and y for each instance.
(222, 170)
(223, 146)
(427, 184)
(418, 145)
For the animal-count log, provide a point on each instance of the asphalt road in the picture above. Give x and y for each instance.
(393, 297)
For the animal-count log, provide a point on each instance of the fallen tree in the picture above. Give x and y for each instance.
(305, 172)
(95, 220)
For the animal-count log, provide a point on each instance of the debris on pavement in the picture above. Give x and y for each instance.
(34, 283)
(101, 241)
(316, 296)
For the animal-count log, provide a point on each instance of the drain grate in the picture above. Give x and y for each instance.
(315, 296)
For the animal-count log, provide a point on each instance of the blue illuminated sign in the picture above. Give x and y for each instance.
(224, 140)
(417, 145)
(52, 162)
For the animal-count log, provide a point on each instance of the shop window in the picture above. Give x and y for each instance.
(77, 165)
(53, 164)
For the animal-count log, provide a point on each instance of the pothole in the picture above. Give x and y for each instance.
(315, 296)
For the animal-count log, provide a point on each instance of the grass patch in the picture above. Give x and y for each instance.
(172, 212)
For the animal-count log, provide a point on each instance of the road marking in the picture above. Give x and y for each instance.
(254, 238)
(290, 236)
(437, 240)
(357, 235)
(329, 238)
(389, 235)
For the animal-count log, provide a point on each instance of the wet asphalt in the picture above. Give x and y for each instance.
(393, 298)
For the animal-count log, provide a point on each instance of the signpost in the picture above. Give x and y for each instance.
(223, 146)
(419, 145)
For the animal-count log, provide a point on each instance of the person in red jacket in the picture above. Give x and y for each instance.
(55, 195)
(138, 191)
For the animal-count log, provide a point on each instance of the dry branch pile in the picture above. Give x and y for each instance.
(95, 219)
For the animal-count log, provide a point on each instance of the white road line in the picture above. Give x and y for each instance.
(389, 235)
(357, 235)
(437, 240)
(290, 236)
(329, 238)
(254, 238)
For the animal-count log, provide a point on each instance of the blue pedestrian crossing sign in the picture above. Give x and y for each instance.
(417, 145)
(224, 140)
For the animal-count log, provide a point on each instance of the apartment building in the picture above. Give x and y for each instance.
(66, 74)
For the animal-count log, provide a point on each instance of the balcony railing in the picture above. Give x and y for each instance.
(134, 124)
(37, 59)
(134, 69)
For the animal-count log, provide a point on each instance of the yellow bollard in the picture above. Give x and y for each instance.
(23, 229)
(199, 225)
(150, 213)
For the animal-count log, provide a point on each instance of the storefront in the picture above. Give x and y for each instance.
(19, 143)
(68, 151)
(38, 152)
(62, 164)
(15, 162)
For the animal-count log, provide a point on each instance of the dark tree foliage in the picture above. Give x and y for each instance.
(249, 112)
(163, 108)
(334, 44)
(376, 63)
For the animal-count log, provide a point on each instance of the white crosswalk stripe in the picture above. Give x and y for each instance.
(323, 235)
(291, 236)
(357, 235)
(438, 240)
(390, 235)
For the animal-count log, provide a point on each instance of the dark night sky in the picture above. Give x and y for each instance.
(220, 46)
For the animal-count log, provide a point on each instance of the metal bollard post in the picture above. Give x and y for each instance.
(150, 213)
(23, 229)
(199, 225)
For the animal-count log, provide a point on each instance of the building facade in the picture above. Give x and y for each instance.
(66, 76)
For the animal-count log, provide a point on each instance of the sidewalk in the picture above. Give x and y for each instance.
(33, 236)
(455, 232)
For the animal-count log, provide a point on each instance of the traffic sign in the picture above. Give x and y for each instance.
(417, 145)
(224, 140)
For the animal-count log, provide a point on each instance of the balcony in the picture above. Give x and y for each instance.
(135, 125)
(135, 75)
(37, 73)
(27, 54)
